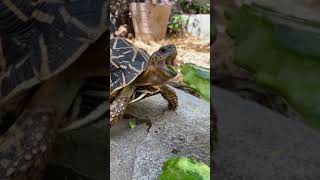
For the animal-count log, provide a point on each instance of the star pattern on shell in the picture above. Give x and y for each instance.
(127, 62)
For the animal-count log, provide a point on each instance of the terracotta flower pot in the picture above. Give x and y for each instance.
(150, 21)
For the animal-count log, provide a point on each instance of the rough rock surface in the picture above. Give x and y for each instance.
(139, 154)
(257, 143)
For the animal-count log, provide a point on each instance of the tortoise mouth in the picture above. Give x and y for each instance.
(170, 66)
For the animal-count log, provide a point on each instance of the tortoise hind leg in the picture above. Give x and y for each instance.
(120, 104)
(117, 109)
(170, 95)
(26, 145)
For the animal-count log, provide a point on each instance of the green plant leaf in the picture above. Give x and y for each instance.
(182, 168)
(132, 124)
(198, 78)
(284, 55)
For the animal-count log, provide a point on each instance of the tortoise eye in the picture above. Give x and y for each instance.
(162, 50)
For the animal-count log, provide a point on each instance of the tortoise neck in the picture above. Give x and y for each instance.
(151, 77)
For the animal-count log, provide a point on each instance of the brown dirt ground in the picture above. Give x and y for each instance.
(190, 49)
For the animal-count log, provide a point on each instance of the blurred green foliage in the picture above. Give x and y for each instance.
(176, 24)
(193, 7)
(198, 78)
(284, 54)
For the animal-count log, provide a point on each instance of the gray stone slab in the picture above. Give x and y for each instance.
(139, 154)
(257, 143)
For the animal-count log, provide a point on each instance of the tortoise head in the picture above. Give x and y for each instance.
(163, 61)
(160, 67)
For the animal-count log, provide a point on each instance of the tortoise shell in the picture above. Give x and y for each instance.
(127, 62)
(39, 39)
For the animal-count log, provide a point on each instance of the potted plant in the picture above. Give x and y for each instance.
(192, 16)
(150, 19)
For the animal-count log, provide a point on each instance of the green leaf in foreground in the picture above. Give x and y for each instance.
(181, 168)
(132, 124)
(198, 78)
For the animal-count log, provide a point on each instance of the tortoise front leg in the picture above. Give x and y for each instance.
(170, 95)
(120, 104)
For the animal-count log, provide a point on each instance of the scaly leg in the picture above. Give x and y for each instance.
(170, 95)
(26, 145)
(120, 104)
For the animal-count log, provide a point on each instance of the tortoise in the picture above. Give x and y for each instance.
(46, 48)
(133, 71)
